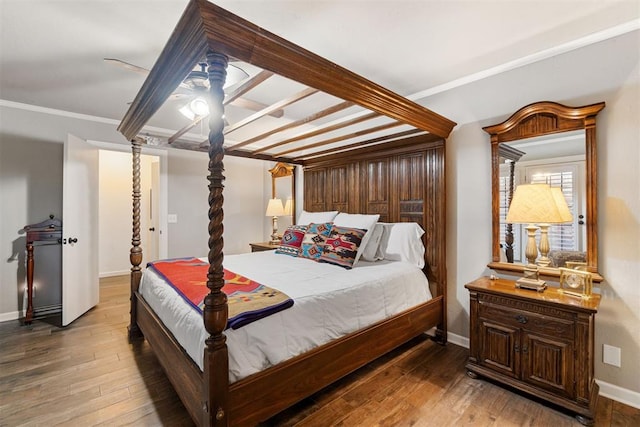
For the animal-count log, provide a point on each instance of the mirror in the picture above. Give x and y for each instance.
(555, 144)
(285, 190)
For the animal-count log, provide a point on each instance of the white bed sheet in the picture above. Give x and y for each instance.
(329, 302)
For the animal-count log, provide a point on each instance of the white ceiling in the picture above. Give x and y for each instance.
(51, 51)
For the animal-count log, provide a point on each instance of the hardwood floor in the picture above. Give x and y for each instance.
(88, 374)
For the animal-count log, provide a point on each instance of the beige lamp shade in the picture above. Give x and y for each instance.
(274, 208)
(561, 204)
(288, 207)
(538, 203)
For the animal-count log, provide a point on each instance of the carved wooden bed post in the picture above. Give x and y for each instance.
(216, 357)
(511, 155)
(135, 255)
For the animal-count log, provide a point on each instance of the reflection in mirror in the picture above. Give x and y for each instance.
(550, 143)
(283, 188)
(557, 160)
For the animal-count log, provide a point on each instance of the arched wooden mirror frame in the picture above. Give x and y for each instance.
(282, 170)
(546, 118)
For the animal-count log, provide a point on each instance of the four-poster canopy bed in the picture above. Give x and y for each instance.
(399, 176)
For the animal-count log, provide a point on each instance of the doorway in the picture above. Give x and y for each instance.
(114, 208)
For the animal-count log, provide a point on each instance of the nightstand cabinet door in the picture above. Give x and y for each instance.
(499, 346)
(547, 363)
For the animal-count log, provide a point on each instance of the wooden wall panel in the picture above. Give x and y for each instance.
(435, 213)
(314, 190)
(375, 179)
(338, 189)
(411, 185)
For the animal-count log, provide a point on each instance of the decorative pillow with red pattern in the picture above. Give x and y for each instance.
(292, 240)
(342, 246)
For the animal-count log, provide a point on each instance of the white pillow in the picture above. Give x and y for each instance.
(307, 218)
(402, 241)
(371, 252)
(364, 222)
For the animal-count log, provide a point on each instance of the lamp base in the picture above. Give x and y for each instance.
(275, 240)
(532, 284)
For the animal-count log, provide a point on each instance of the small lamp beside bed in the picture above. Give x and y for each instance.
(274, 210)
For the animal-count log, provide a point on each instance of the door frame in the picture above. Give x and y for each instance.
(163, 193)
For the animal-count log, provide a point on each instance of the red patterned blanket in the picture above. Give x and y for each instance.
(248, 300)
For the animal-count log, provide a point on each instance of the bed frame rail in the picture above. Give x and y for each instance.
(183, 373)
(289, 382)
(262, 395)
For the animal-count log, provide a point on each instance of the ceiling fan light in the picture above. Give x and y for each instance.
(199, 107)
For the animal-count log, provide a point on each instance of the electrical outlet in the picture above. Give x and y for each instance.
(172, 218)
(611, 355)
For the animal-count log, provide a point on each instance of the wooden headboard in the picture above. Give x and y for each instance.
(403, 181)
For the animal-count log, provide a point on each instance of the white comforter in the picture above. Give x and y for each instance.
(329, 302)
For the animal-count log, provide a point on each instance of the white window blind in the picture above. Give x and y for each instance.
(564, 176)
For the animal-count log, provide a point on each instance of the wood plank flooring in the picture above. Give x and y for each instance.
(87, 374)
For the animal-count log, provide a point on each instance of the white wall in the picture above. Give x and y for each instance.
(619, 232)
(30, 190)
(243, 203)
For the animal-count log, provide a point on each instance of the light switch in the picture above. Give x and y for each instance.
(172, 218)
(611, 355)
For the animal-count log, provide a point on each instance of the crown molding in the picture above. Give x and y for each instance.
(581, 42)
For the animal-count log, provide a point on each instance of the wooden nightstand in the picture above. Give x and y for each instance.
(262, 246)
(537, 342)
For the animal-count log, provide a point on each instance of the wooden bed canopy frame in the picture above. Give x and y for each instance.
(402, 179)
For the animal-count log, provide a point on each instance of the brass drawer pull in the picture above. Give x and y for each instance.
(522, 319)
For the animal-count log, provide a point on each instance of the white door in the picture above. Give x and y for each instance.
(80, 287)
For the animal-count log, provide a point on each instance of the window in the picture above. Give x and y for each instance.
(563, 237)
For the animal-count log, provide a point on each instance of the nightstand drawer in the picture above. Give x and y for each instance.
(263, 246)
(527, 320)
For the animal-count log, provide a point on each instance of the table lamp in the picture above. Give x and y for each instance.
(537, 204)
(274, 210)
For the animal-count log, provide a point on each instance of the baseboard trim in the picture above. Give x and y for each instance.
(458, 339)
(113, 273)
(6, 317)
(619, 394)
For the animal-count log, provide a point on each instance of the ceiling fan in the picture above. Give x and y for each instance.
(197, 82)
